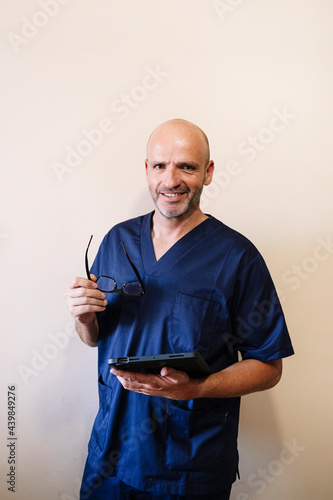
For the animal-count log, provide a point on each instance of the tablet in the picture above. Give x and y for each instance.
(190, 362)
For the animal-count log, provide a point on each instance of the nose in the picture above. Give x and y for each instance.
(171, 178)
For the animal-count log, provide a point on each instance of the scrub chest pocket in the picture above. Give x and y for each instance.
(193, 323)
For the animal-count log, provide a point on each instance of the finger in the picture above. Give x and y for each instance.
(167, 371)
(173, 375)
(125, 374)
(82, 300)
(141, 378)
(82, 282)
(80, 310)
(85, 292)
(87, 301)
(138, 382)
(81, 303)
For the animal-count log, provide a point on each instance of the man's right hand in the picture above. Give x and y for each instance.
(84, 300)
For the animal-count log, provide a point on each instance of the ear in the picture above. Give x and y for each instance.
(146, 167)
(209, 172)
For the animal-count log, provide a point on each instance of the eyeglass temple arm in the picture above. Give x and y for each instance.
(86, 260)
(134, 268)
(129, 260)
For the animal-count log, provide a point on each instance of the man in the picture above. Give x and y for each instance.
(206, 289)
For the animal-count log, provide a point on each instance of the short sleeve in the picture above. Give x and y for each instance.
(259, 329)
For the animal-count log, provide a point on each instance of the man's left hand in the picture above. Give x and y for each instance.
(169, 383)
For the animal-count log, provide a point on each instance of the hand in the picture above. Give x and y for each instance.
(170, 383)
(84, 299)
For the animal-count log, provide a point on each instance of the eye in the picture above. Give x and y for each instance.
(188, 167)
(158, 166)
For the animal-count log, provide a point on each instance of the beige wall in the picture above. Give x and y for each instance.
(257, 77)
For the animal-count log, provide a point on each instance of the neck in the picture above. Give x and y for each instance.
(173, 229)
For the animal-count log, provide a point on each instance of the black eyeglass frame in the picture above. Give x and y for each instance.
(117, 290)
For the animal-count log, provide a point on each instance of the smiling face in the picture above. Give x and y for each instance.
(177, 168)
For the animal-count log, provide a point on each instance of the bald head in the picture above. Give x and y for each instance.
(180, 131)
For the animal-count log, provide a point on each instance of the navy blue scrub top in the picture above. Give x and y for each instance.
(211, 293)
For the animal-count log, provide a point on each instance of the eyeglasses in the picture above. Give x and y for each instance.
(107, 284)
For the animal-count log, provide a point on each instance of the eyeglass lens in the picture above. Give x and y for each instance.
(108, 284)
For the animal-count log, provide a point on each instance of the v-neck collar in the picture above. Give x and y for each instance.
(158, 267)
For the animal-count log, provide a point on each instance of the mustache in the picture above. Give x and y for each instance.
(173, 190)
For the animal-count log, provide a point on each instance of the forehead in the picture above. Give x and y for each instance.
(176, 143)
